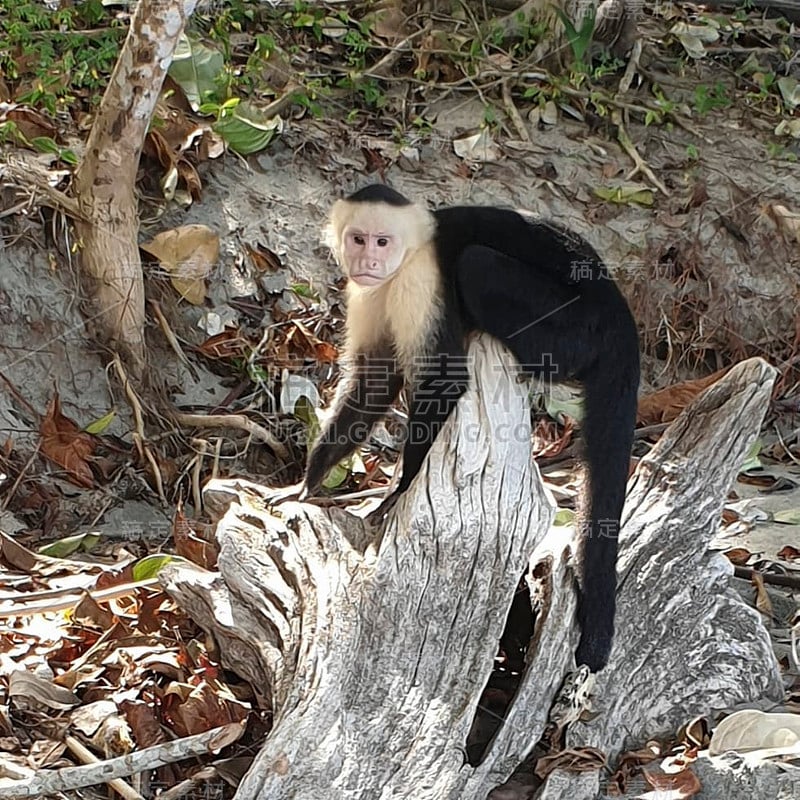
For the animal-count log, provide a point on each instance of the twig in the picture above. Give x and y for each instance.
(792, 581)
(86, 756)
(785, 446)
(384, 66)
(631, 69)
(513, 113)
(29, 173)
(651, 430)
(238, 421)
(9, 496)
(640, 165)
(43, 602)
(139, 437)
(190, 784)
(197, 494)
(45, 781)
(172, 340)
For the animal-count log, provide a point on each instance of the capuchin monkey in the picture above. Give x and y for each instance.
(418, 282)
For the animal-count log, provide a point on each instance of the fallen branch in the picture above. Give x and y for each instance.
(238, 421)
(46, 782)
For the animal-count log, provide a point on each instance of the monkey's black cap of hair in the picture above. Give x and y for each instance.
(378, 193)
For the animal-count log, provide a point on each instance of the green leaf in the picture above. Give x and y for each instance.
(558, 407)
(68, 157)
(70, 544)
(198, 70)
(304, 290)
(246, 130)
(151, 565)
(625, 194)
(44, 144)
(99, 425)
(564, 516)
(789, 516)
(336, 477)
(751, 460)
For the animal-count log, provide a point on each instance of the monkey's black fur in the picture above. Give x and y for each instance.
(545, 293)
(378, 193)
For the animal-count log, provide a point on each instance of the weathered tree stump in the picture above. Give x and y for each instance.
(373, 645)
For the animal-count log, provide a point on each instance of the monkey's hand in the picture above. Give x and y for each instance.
(295, 491)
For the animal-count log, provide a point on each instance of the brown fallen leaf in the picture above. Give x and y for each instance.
(630, 764)
(548, 442)
(582, 759)
(729, 516)
(264, 259)
(738, 556)
(671, 786)
(789, 553)
(30, 123)
(188, 253)
(65, 444)
(201, 708)
(763, 603)
(666, 404)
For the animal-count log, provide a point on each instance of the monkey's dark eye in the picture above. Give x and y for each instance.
(383, 241)
(358, 239)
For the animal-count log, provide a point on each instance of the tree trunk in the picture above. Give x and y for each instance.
(373, 647)
(105, 180)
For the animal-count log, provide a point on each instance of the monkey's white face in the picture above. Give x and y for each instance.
(371, 254)
(372, 241)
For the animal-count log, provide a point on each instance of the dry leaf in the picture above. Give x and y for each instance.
(789, 553)
(477, 147)
(754, 730)
(666, 404)
(670, 786)
(30, 123)
(738, 556)
(65, 444)
(787, 221)
(763, 603)
(188, 253)
(583, 759)
(194, 709)
(264, 259)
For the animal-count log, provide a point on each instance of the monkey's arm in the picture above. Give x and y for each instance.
(440, 378)
(365, 396)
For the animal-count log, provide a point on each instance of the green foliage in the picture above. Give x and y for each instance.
(11, 134)
(708, 99)
(57, 53)
(580, 39)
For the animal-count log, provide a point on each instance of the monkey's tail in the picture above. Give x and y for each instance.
(608, 426)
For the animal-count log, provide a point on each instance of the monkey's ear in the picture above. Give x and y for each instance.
(332, 230)
(341, 211)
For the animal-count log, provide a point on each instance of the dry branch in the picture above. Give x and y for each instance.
(373, 646)
(46, 782)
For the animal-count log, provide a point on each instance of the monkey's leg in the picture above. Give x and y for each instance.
(363, 400)
(608, 424)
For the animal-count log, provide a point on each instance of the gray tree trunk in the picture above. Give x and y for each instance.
(373, 646)
(105, 180)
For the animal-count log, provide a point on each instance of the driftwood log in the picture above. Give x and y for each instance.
(373, 646)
